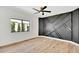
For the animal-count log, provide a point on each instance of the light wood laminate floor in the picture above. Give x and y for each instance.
(40, 45)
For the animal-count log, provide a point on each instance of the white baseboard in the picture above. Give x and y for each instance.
(71, 42)
(13, 42)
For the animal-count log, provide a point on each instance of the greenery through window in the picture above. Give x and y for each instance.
(20, 25)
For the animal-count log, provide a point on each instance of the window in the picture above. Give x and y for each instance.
(20, 25)
(26, 25)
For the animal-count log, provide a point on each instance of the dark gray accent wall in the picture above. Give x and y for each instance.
(75, 18)
(41, 25)
(63, 26)
(57, 26)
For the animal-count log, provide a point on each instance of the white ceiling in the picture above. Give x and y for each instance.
(54, 9)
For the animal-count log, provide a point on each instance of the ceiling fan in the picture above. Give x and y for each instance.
(42, 10)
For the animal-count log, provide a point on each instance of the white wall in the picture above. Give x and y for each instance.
(6, 37)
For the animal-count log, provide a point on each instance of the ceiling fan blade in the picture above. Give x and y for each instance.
(43, 8)
(36, 12)
(36, 9)
(47, 11)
